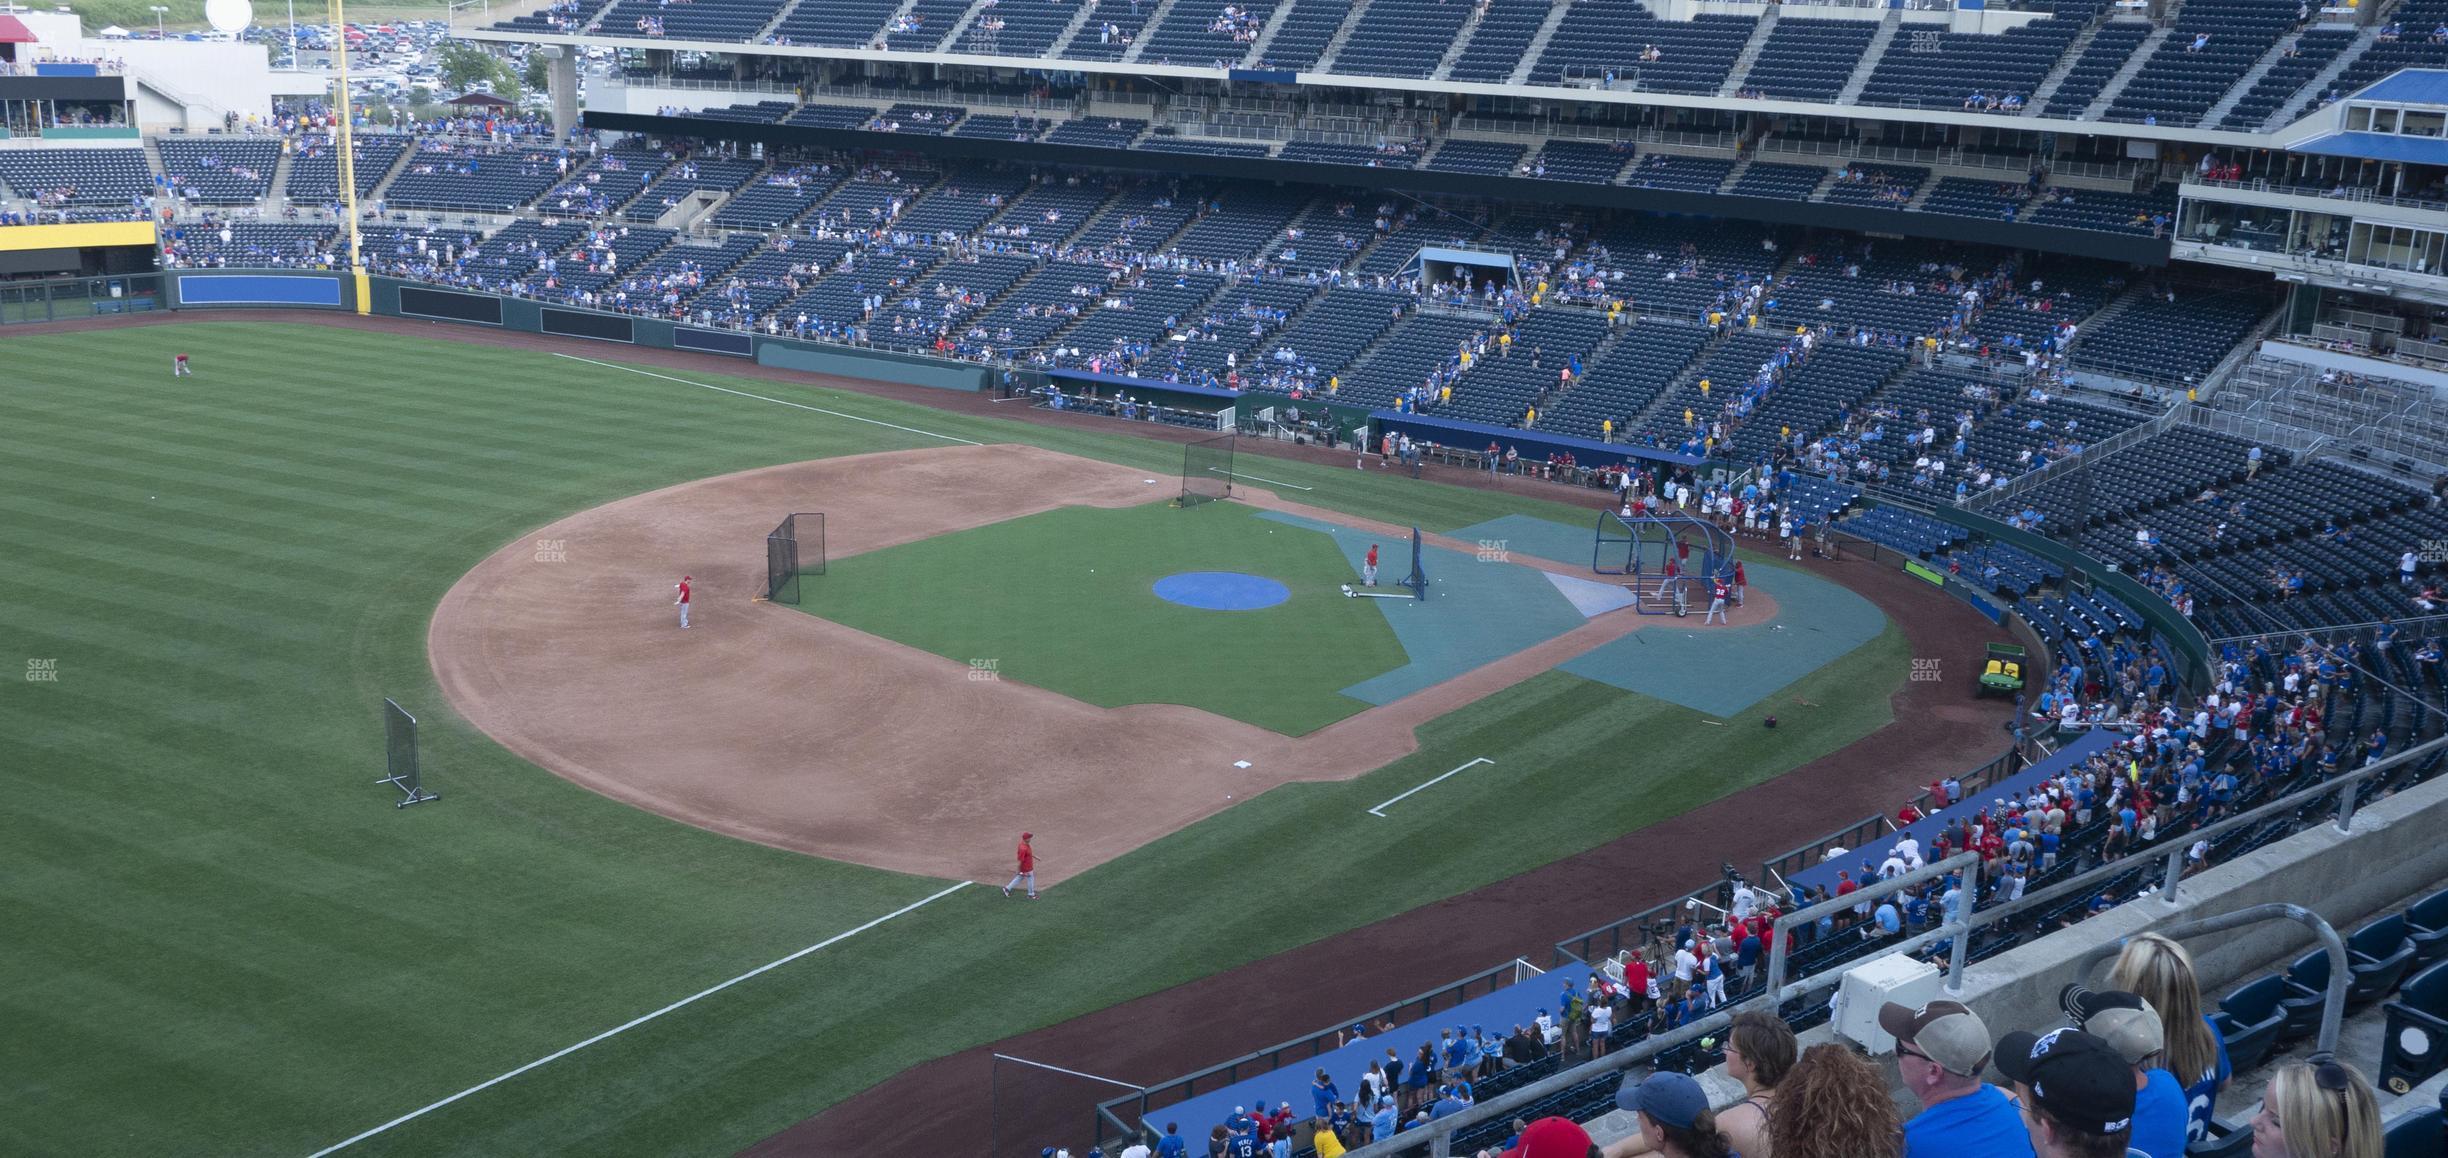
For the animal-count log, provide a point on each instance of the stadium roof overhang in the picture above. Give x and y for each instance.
(2413, 86)
(1939, 115)
(2379, 147)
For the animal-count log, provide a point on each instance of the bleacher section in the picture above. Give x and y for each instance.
(1943, 70)
(219, 170)
(1598, 37)
(88, 178)
(1808, 60)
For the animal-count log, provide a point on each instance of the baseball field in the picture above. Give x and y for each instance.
(684, 890)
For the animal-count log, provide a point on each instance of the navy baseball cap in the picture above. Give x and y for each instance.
(1671, 1098)
(2077, 1077)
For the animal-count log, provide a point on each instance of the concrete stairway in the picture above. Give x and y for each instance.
(2056, 77)
(1147, 32)
(1871, 56)
(1462, 39)
(1538, 44)
(2124, 76)
(1750, 54)
(1266, 35)
(1342, 36)
(2252, 76)
(2309, 98)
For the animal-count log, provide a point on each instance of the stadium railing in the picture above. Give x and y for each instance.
(1974, 783)
(1436, 1139)
(1402, 1013)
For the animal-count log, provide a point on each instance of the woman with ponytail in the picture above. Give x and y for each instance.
(1674, 1117)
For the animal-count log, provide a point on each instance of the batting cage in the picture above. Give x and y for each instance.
(1037, 1105)
(1669, 560)
(1416, 581)
(1207, 467)
(400, 755)
(794, 548)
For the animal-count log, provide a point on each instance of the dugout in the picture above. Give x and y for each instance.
(1174, 403)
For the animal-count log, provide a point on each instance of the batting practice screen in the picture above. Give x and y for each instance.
(1207, 469)
(400, 754)
(794, 548)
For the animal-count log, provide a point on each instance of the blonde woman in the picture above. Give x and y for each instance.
(2318, 1108)
(2162, 973)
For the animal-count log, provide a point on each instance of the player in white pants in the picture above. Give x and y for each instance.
(1717, 604)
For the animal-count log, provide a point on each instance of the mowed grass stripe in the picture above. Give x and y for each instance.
(380, 959)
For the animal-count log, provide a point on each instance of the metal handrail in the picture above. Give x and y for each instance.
(2328, 630)
(2333, 1000)
(1973, 918)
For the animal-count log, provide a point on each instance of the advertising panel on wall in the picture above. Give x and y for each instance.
(260, 289)
(579, 324)
(482, 309)
(732, 342)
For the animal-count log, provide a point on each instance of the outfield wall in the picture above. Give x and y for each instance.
(333, 290)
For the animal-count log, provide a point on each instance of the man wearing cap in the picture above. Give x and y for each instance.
(1028, 868)
(2077, 1094)
(1941, 1049)
(2132, 1028)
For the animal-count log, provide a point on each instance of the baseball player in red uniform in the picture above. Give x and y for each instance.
(1368, 574)
(178, 366)
(1028, 869)
(683, 601)
(1718, 591)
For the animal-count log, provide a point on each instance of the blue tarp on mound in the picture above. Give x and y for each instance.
(1507, 1007)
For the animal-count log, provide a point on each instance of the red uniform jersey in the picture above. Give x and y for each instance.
(684, 591)
(1028, 858)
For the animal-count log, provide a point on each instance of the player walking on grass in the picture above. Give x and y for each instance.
(683, 601)
(1028, 869)
(178, 366)
(1368, 574)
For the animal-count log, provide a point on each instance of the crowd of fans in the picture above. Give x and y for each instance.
(2134, 1068)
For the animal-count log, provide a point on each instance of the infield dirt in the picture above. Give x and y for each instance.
(790, 730)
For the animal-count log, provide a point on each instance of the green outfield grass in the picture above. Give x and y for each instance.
(1063, 600)
(222, 938)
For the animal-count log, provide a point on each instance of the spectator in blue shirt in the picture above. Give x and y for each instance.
(1381, 1123)
(1323, 1093)
(1941, 1050)
(1172, 1145)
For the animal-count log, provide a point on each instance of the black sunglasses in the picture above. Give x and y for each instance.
(2328, 1074)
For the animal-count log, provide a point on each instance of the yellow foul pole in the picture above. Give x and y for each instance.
(347, 144)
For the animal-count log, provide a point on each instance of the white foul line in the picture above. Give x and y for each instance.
(775, 401)
(1073, 1073)
(633, 1024)
(1376, 811)
(1255, 478)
